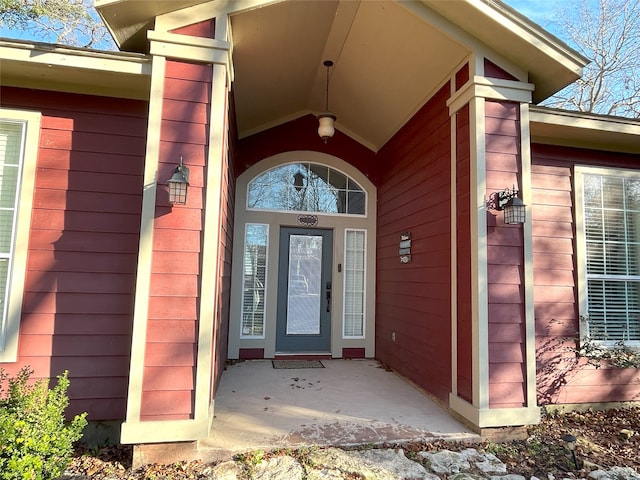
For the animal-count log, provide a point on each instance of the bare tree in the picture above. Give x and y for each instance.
(69, 22)
(608, 33)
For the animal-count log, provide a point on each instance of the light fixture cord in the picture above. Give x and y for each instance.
(327, 96)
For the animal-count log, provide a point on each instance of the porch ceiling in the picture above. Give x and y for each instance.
(390, 56)
(388, 62)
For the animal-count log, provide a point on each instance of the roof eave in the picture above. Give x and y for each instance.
(584, 130)
(551, 63)
(76, 70)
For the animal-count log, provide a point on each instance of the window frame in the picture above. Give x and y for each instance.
(364, 286)
(266, 279)
(308, 212)
(10, 326)
(581, 247)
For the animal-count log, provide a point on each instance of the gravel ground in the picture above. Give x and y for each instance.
(604, 438)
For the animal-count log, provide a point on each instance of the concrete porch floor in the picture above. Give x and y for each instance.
(348, 402)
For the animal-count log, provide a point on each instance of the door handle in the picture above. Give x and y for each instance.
(328, 300)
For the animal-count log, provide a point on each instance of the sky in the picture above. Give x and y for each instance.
(539, 11)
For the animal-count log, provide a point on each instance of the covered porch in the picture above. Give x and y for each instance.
(341, 403)
(431, 100)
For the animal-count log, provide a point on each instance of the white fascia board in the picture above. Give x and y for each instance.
(584, 130)
(492, 89)
(172, 45)
(52, 55)
(585, 121)
(551, 45)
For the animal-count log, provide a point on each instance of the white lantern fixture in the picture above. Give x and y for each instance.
(327, 119)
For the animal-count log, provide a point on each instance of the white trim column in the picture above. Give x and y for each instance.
(474, 94)
(217, 53)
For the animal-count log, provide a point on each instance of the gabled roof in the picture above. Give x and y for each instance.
(389, 56)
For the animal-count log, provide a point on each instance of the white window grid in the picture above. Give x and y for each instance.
(609, 287)
(355, 278)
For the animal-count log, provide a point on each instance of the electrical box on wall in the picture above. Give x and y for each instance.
(405, 247)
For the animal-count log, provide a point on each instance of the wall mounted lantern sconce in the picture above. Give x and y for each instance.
(326, 119)
(298, 181)
(179, 185)
(507, 200)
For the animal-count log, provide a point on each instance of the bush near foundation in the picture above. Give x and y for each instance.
(36, 442)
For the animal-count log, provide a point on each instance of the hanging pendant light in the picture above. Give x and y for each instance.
(326, 119)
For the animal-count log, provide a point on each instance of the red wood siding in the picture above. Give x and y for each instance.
(206, 29)
(302, 134)
(77, 311)
(227, 205)
(494, 71)
(414, 300)
(505, 261)
(563, 378)
(170, 357)
(462, 76)
(463, 252)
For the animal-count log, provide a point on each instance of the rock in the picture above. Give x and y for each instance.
(226, 471)
(376, 464)
(397, 463)
(615, 473)
(324, 474)
(485, 462)
(509, 476)
(345, 462)
(626, 434)
(465, 476)
(279, 468)
(446, 461)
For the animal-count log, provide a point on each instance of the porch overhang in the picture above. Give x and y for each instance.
(390, 57)
(74, 70)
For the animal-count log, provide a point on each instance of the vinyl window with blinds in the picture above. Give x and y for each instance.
(610, 231)
(19, 133)
(354, 283)
(254, 280)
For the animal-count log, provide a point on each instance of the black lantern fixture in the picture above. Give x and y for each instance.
(298, 181)
(179, 185)
(507, 200)
(327, 119)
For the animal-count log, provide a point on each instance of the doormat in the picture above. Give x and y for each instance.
(289, 364)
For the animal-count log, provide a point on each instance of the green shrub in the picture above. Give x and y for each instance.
(35, 441)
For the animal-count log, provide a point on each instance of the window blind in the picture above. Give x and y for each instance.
(612, 234)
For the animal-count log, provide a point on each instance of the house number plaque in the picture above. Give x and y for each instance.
(307, 220)
(405, 247)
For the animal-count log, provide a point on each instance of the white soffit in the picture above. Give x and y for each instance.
(129, 20)
(76, 70)
(583, 130)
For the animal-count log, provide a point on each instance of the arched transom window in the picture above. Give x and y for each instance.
(306, 187)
